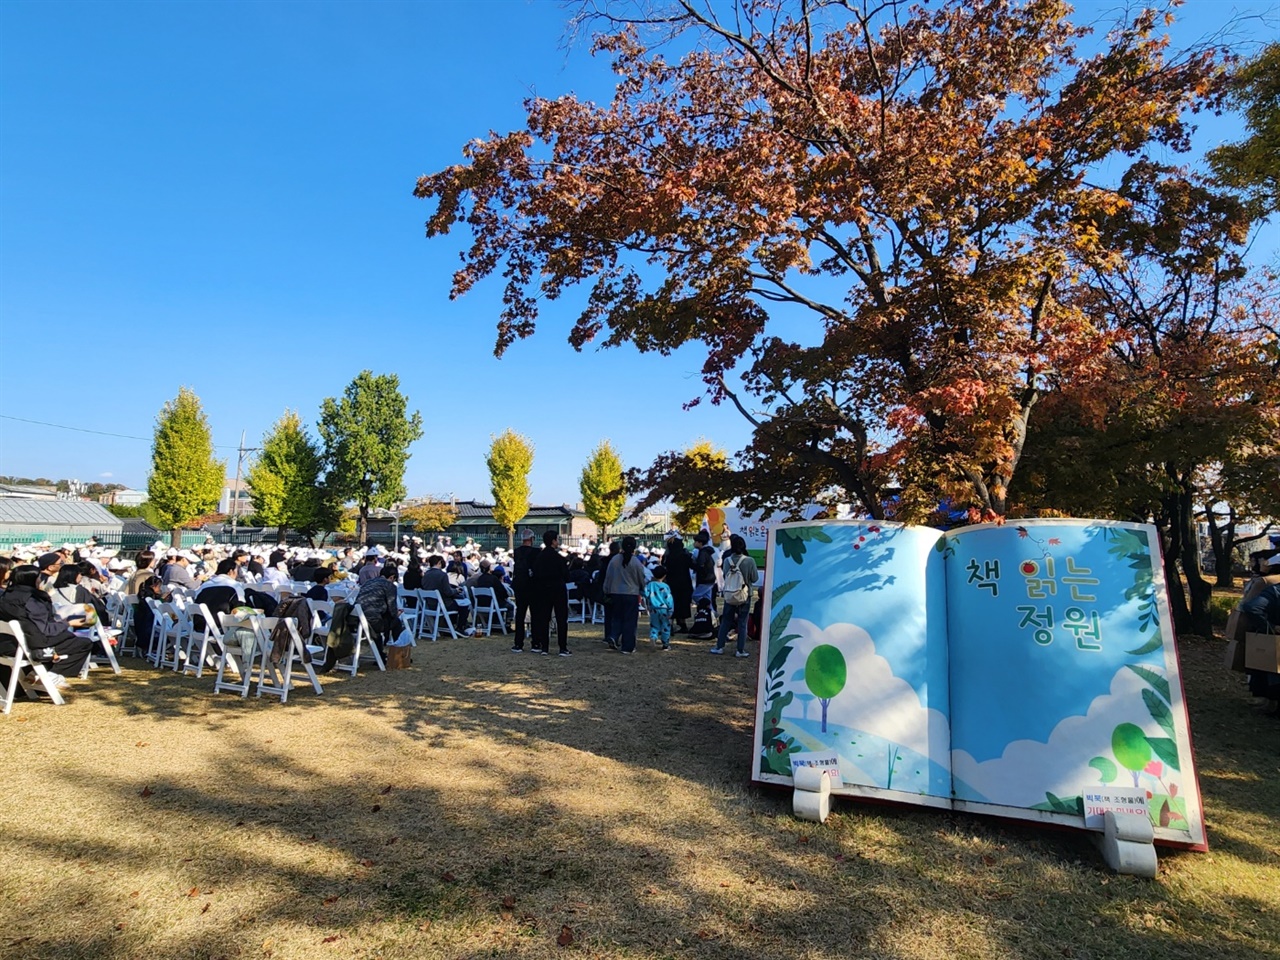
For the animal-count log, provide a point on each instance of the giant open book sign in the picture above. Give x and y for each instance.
(1020, 670)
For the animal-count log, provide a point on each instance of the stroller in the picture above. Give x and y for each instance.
(704, 621)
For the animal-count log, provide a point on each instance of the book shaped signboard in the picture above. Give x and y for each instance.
(1025, 670)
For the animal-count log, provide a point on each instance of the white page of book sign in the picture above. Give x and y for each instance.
(826, 761)
(993, 669)
(1098, 800)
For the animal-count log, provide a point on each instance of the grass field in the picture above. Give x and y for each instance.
(483, 804)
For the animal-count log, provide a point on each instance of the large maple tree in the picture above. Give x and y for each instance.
(870, 215)
(1190, 407)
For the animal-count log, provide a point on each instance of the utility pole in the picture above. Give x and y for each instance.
(235, 492)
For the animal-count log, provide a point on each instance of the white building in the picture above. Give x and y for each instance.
(235, 499)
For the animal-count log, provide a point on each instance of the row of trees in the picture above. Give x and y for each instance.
(296, 482)
(1021, 304)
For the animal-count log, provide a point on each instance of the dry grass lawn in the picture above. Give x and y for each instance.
(483, 804)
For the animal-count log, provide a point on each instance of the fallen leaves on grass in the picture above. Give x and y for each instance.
(566, 935)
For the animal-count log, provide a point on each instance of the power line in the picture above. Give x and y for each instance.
(101, 433)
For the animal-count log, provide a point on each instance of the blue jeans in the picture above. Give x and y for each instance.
(739, 612)
(624, 614)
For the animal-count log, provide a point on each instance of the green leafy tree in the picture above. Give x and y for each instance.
(510, 459)
(694, 480)
(366, 433)
(284, 481)
(825, 674)
(186, 479)
(603, 487)
(1253, 164)
(433, 516)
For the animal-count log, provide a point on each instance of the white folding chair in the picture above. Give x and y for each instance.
(576, 600)
(198, 642)
(176, 628)
(410, 612)
(17, 664)
(319, 638)
(277, 679)
(484, 604)
(120, 615)
(102, 636)
(241, 641)
(432, 608)
(364, 645)
(155, 641)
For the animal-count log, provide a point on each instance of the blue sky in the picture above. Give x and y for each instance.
(219, 195)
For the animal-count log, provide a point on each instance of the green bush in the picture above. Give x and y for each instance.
(1220, 608)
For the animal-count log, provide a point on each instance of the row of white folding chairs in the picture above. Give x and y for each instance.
(29, 673)
(245, 647)
(177, 644)
(417, 607)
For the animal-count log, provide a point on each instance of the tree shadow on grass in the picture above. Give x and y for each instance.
(505, 799)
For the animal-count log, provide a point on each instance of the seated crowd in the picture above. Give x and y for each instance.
(55, 595)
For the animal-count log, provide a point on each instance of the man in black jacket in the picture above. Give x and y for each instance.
(434, 578)
(549, 576)
(521, 566)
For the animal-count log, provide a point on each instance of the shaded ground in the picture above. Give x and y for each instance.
(484, 804)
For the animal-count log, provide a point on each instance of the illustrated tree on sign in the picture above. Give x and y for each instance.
(911, 185)
(284, 480)
(367, 432)
(603, 487)
(825, 674)
(509, 461)
(186, 480)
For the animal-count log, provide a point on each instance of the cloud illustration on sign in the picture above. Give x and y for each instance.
(1026, 769)
(872, 699)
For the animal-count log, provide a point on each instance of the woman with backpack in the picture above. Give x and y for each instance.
(624, 581)
(739, 578)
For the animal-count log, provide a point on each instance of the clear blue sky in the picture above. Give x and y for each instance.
(219, 195)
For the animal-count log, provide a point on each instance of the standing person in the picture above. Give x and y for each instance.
(704, 566)
(679, 564)
(624, 582)
(739, 579)
(521, 586)
(549, 575)
(658, 599)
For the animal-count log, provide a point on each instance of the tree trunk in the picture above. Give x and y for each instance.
(1171, 547)
(511, 539)
(175, 537)
(281, 530)
(362, 526)
(1200, 589)
(1222, 538)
